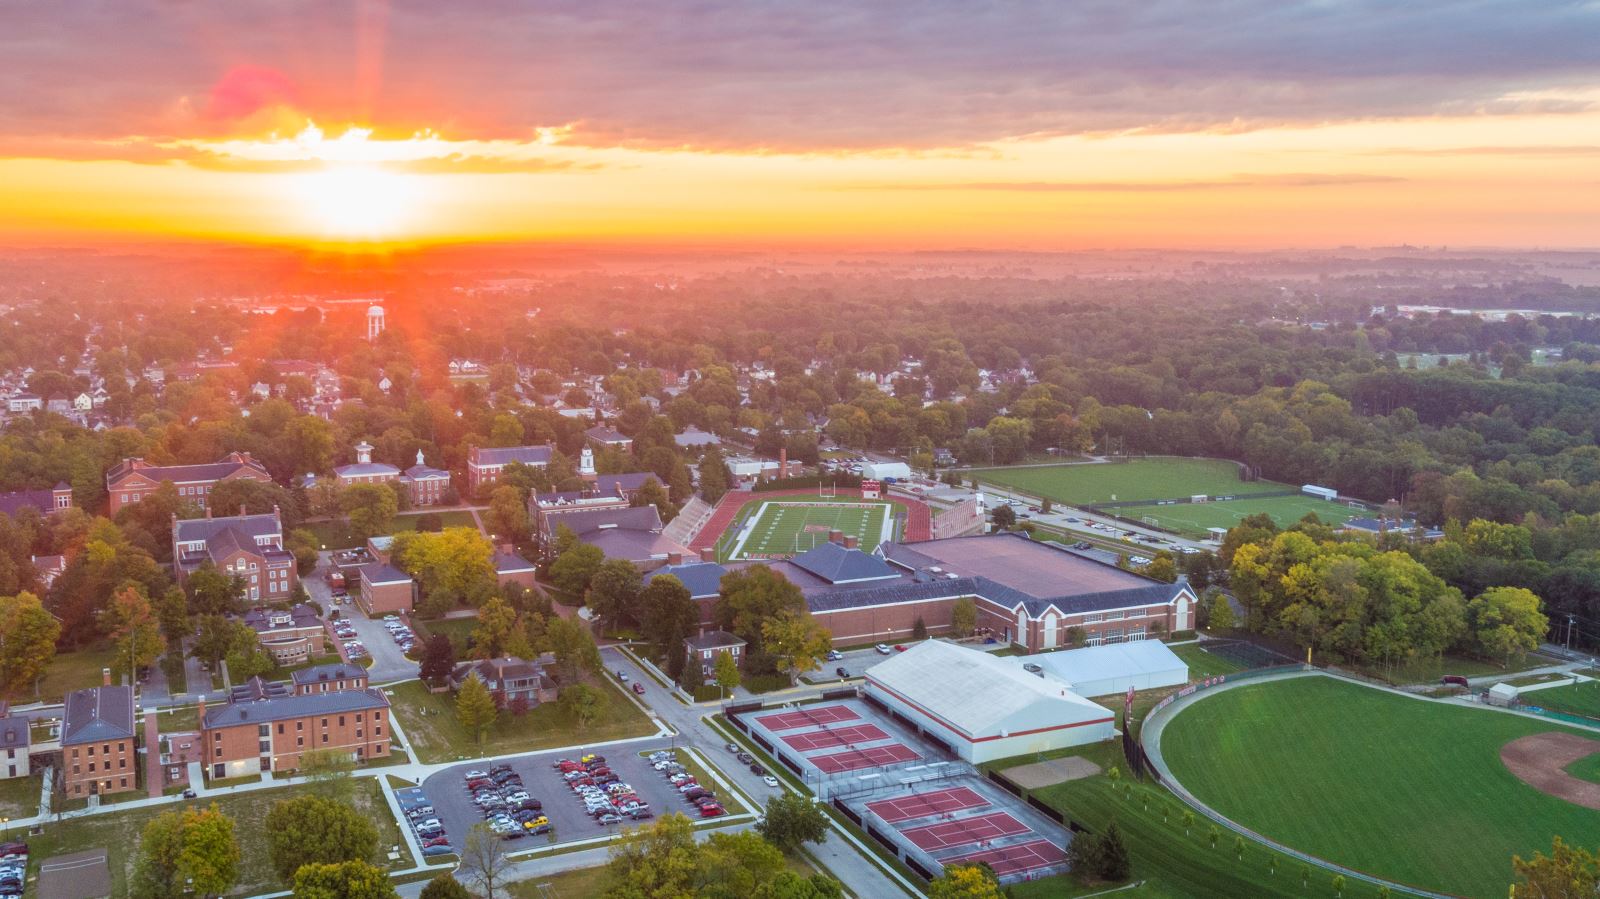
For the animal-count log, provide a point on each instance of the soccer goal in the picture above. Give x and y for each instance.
(1153, 522)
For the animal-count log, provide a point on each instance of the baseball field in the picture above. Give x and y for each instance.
(1406, 789)
(1192, 519)
(1136, 479)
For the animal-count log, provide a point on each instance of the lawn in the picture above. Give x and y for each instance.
(19, 796)
(1428, 670)
(1574, 699)
(177, 719)
(791, 524)
(78, 670)
(1406, 789)
(459, 630)
(336, 534)
(1203, 664)
(1151, 479)
(429, 721)
(118, 832)
(579, 884)
(1192, 519)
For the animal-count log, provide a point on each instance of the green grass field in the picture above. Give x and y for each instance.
(1574, 699)
(336, 534)
(1137, 479)
(436, 734)
(1193, 518)
(797, 523)
(1410, 790)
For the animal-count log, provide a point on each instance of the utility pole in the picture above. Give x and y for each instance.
(1570, 617)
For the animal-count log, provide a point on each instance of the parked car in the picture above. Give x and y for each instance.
(638, 688)
(842, 672)
(770, 781)
(835, 655)
(883, 649)
(622, 675)
(899, 647)
(757, 770)
(1454, 680)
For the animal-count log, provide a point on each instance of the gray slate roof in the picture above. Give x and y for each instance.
(505, 563)
(713, 640)
(703, 579)
(252, 526)
(279, 708)
(384, 573)
(835, 564)
(16, 501)
(586, 522)
(617, 484)
(503, 455)
(96, 715)
(331, 672)
(14, 732)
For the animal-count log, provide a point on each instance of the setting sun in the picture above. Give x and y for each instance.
(358, 201)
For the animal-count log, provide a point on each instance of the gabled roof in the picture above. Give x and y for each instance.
(365, 469)
(979, 695)
(606, 435)
(702, 579)
(194, 530)
(617, 484)
(635, 546)
(837, 565)
(713, 640)
(504, 455)
(331, 672)
(509, 563)
(212, 471)
(17, 500)
(97, 714)
(585, 522)
(300, 615)
(294, 706)
(14, 733)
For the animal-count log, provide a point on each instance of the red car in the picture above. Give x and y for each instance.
(711, 810)
(435, 841)
(899, 647)
(638, 688)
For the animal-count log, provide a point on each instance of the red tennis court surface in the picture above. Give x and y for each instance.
(1029, 856)
(839, 736)
(921, 805)
(853, 759)
(827, 714)
(967, 830)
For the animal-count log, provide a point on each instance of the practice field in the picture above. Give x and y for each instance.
(1574, 699)
(1136, 479)
(1406, 789)
(780, 528)
(1193, 519)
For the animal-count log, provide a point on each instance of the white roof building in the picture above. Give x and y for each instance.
(1113, 667)
(984, 707)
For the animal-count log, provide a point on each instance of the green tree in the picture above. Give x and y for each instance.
(1507, 621)
(1114, 863)
(572, 570)
(343, 880)
(791, 820)
(1004, 517)
(919, 629)
(1338, 885)
(576, 654)
(303, 544)
(1083, 856)
(1568, 872)
(508, 514)
(614, 591)
(28, 637)
(475, 708)
(714, 476)
(668, 615)
(453, 567)
(371, 509)
(214, 592)
(183, 850)
(1162, 569)
(498, 633)
(131, 622)
(483, 860)
(580, 703)
(751, 597)
(438, 659)
(651, 493)
(727, 672)
(443, 886)
(965, 882)
(796, 642)
(1221, 618)
(316, 829)
(964, 616)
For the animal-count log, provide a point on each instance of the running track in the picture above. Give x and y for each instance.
(854, 759)
(919, 518)
(945, 834)
(828, 714)
(810, 741)
(921, 805)
(1028, 856)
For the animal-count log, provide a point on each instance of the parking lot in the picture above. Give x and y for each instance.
(388, 662)
(456, 810)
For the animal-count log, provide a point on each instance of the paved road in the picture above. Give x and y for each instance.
(388, 662)
(862, 877)
(1058, 519)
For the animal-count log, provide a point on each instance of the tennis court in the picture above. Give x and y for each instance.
(1018, 859)
(921, 805)
(841, 736)
(828, 714)
(855, 759)
(945, 834)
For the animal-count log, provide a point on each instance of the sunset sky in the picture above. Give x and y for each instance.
(1253, 123)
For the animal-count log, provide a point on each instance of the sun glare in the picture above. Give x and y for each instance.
(359, 202)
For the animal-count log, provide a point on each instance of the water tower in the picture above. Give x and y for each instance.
(374, 322)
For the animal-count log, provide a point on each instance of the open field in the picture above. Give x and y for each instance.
(1406, 789)
(436, 735)
(118, 832)
(1203, 664)
(336, 534)
(1152, 479)
(788, 525)
(19, 796)
(1192, 519)
(1574, 699)
(459, 630)
(78, 670)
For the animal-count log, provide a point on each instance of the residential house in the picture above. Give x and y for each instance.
(47, 502)
(330, 678)
(15, 740)
(600, 435)
(703, 649)
(510, 679)
(22, 402)
(132, 479)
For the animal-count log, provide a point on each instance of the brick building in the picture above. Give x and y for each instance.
(510, 679)
(15, 741)
(269, 733)
(703, 649)
(290, 636)
(425, 484)
(98, 755)
(484, 464)
(133, 479)
(331, 678)
(364, 470)
(46, 502)
(385, 590)
(247, 546)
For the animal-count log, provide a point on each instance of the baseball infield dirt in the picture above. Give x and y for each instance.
(1042, 774)
(1539, 759)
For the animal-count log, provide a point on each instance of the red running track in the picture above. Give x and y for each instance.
(828, 714)
(810, 741)
(921, 805)
(919, 518)
(945, 834)
(1016, 859)
(856, 759)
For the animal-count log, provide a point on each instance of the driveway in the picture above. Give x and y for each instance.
(388, 662)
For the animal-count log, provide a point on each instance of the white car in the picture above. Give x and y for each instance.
(770, 781)
(883, 649)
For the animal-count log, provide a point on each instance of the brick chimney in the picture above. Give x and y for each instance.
(836, 536)
(674, 558)
(708, 555)
(851, 541)
(105, 676)
(201, 712)
(783, 462)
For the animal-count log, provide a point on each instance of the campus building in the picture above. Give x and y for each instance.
(290, 636)
(268, 730)
(484, 464)
(131, 480)
(249, 547)
(98, 755)
(45, 502)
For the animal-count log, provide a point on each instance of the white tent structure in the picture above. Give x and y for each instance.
(900, 471)
(984, 707)
(1114, 667)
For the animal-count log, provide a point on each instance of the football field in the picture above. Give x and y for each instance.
(776, 529)
(1192, 519)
